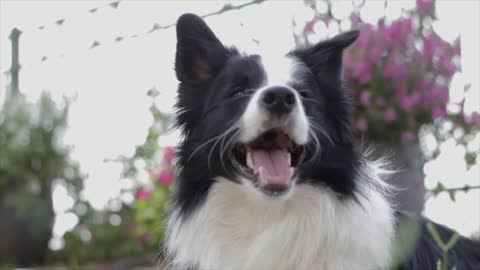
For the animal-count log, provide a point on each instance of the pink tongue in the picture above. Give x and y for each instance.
(273, 167)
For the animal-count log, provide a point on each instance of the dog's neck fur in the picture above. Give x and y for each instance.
(310, 229)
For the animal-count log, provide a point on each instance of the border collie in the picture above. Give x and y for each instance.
(270, 176)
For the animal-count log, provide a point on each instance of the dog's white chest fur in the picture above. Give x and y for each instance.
(311, 229)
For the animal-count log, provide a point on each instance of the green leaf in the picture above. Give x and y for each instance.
(453, 240)
(433, 231)
(439, 264)
(404, 241)
(470, 158)
(438, 189)
(153, 92)
(451, 194)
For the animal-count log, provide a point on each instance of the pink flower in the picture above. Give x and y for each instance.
(168, 153)
(396, 68)
(473, 119)
(457, 46)
(143, 194)
(365, 98)
(439, 93)
(326, 20)
(438, 112)
(446, 66)
(375, 54)
(362, 70)
(362, 124)
(401, 92)
(424, 84)
(410, 101)
(365, 37)
(131, 226)
(384, 36)
(389, 115)
(309, 27)
(408, 136)
(143, 240)
(165, 177)
(431, 44)
(425, 7)
(399, 30)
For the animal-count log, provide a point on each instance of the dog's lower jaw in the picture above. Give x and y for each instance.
(310, 229)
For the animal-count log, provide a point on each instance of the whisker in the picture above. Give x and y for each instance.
(314, 145)
(316, 148)
(202, 145)
(321, 130)
(311, 100)
(228, 146)
(223, 135)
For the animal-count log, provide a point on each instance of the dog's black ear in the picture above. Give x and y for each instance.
(199, 52)
(325, 58)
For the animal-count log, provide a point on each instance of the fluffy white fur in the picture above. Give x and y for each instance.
(237, 227)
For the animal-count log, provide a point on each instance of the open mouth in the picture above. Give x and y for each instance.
(270, 159)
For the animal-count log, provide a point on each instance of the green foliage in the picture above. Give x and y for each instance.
(150, 206)
(31, 153)
(6, 266)
(150, 147)
(99, 236)
(32, 160)
(140, 231)
(404, 242)
(149, 215)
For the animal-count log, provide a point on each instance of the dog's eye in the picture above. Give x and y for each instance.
(304, 93)
(237, 91)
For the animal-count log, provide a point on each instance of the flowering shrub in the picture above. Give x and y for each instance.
(150, 206)
(399, 72)
(131, 229)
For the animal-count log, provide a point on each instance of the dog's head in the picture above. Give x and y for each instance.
(269, 122)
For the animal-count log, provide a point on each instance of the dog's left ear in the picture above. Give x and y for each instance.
(325, 58)
(199, 52)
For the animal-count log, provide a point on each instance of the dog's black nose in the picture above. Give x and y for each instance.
(278, 100)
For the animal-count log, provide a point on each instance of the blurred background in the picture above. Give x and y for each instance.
(87, 90)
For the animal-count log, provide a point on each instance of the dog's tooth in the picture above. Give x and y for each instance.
(250, 162)
(288, 156)
(261, 175)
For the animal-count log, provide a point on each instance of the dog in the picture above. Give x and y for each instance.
(269, 173)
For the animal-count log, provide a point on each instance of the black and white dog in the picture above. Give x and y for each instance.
(270, 176)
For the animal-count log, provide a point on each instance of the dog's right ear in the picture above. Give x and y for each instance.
(200, 54)
(325, 58)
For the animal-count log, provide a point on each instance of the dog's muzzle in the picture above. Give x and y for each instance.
(274, 131)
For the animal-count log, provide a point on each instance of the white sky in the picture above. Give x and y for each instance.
(110, 115)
